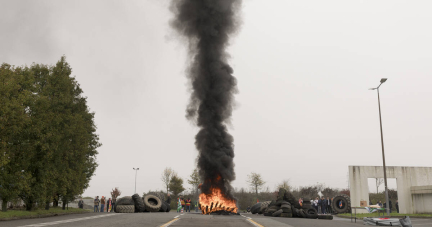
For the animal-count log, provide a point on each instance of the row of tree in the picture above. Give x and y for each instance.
(48, 140)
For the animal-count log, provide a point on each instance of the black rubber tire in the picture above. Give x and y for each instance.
(302, 213)
(295, 212)
(152, 203)
(255, 208)
(160, 195)
(168, 207)
(125, 209)
(163, 207)
(267, 214)
(311, 213)
(264, 206)
(346, 204)
(286, 209)
(286, 215)
(138, 202)
(277, 213)
(307, 206)
(126, 200)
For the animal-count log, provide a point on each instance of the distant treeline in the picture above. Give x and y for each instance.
(48, 137)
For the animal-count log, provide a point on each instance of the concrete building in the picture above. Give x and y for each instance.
(414, 186)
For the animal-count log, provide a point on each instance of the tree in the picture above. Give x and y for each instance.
(255, 181)
(176, 185)
(14, 124)
(379, 182)
(167, 176)
(285, 184)
(115, 193)
(194, 180)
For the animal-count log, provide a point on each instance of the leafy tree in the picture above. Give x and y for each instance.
(194, 180)
(255, 181)
(167, 176)
(115, 193)
(176, 185)
(285, 184)
(14, 124)
(379, 181)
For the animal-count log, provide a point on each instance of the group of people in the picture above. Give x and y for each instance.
(185, 204)
(323, 205)
(102, 202)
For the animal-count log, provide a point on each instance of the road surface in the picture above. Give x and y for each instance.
(185, 220)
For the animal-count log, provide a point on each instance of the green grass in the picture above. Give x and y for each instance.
(18, 214)
(393, 214)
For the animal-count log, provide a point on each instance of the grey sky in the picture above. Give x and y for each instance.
(303, 67)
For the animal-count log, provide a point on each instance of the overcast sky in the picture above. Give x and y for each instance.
(304, 111)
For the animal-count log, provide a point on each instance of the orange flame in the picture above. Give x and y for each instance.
(216, 201)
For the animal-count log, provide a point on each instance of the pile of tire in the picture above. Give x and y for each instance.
(151, 202)
(287, 206)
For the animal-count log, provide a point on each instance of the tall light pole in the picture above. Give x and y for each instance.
(136, 171)
(382, 145)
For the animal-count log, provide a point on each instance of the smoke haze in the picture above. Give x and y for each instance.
(207, 26)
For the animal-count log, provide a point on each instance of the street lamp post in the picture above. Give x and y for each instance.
(136, 171)
(382, 146)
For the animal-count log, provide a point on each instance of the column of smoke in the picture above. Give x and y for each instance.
(207, 26)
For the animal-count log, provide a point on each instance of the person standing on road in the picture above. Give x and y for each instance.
(323, 205)
(81, 204)
(196, 206)
(397, 206)
(108, 205)
(328, 205)
(102, 204)
(183, 204)
(96, 204)
(179, 206)
(168, 200)
(188, 203)
(113, 204)
(319, 206)
(315, 204)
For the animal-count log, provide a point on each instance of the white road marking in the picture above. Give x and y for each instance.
(68, 220)
(177, 216)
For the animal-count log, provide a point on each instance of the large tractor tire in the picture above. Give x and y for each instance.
(126, 200)
(152, 203)
(125, 209)
(324, 216)
(255, 208)
(311, 213)
(341, 204)
(160, 195)
(138, 202)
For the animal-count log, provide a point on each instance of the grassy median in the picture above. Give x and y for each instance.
(21, 214)
(393, 214)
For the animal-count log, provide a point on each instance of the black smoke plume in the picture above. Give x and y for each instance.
(207, 26)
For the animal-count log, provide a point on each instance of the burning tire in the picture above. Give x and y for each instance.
(152, 203)
(139, 205)
(255, 208)
(125, 209)
(341, 204)
(277, 213)
(126, 200)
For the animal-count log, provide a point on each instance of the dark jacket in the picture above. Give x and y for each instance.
(324, 203)
(168, 200)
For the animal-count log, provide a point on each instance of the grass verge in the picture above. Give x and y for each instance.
(53, 211)
(361, 216)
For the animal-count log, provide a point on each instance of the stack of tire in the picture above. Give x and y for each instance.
(287, 206)
(135, 204)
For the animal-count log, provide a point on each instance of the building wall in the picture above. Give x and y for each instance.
(406, 177)
(422, 203)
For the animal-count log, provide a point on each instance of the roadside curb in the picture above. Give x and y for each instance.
(396, 216)
(41, 216)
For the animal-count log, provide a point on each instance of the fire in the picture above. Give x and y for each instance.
(216, 201)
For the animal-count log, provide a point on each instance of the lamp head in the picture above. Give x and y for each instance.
(372, 88)
(383, 80)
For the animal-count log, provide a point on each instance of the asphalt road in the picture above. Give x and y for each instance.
(187, 220)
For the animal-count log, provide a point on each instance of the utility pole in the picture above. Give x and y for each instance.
(382, 146)
(136, 171)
